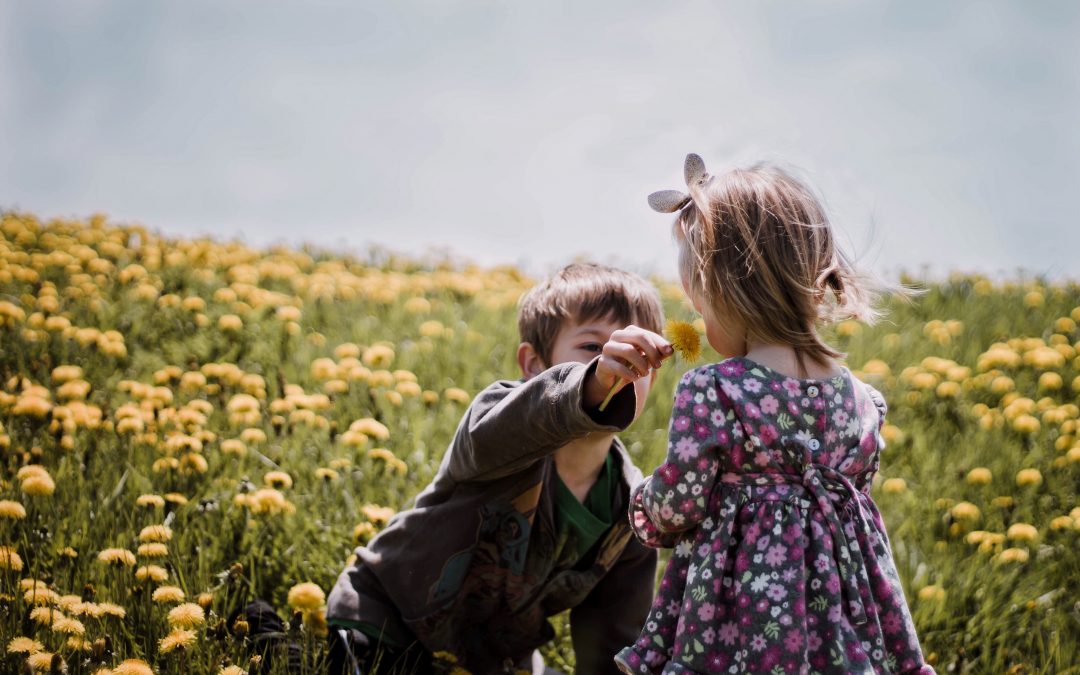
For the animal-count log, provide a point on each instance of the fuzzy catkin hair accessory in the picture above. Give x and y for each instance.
(670, 201)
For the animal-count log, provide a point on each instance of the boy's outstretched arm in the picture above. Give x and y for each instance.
(511, 424)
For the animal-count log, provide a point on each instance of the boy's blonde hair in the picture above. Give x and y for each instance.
(584, 292)
(757, 244)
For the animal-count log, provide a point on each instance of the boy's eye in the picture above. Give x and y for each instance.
(594, 347)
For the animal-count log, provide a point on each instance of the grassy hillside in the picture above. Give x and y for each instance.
(188, 424)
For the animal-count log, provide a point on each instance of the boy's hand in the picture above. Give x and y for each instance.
(630, 354)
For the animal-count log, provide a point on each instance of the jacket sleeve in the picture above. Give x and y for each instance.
(612, 615)
(512, 424)
(675, 497)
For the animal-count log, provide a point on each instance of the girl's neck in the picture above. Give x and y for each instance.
(785, 360)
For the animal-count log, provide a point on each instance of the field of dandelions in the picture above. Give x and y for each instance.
(187, 425)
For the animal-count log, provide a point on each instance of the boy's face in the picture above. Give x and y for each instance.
(582, 342)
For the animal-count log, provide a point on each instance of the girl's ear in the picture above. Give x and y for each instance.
(529, 361)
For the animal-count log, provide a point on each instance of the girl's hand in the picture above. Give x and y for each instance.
(630, 354)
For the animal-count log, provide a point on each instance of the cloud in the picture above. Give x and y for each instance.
(939, 134)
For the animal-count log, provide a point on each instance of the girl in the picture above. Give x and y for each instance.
(781, 561)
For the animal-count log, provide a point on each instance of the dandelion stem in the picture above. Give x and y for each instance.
(611, 393)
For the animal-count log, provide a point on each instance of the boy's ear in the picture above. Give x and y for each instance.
(529, 360)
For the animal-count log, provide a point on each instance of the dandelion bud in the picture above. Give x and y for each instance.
(236, 569)
(240, 626)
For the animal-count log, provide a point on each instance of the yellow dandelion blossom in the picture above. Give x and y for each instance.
(1026, 477)
(154, 573)
(456, 395)
(133, 667)
(150, 501)
(45, 615)
(1022, 532)
(278, 479)
(165, 594)
(370, 427)
(44, 661)
(41, 485)
(363, 533)
(10, 560)
(328, 475)
(932, 593)
(684, 339)
(376, 513)
(1013, 555)
(205, 599)
(153, 550)
(894, 486)
(159, 533)
(980, 475)
(176, 498)
(117, 556)
(66, 624)
(112, 609)
(965, 511)
(230, 323)
(232, 670)
(186, 615)
(177, 639)
(306, 596)
(24, 645)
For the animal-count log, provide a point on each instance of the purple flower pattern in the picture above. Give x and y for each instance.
(781, 563)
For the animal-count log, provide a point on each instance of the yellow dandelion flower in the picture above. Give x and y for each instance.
(153, 550)
(1022, 532)
(165, 594)
(157, 533)
(117, 556)
(133, 667)
(684, 339)
(932, 593)
(965, 511)
(24, 645)
(1013, 555)
(10, 560)
(371, 428)
(112, 609)
(154, 573)
(268, 501)
(176, 498)
(45, 615)
(66, 624)
(378, 356)
(79, 644)
(177, 639)
(322, 473)
(150, 501)
(363, 533)
(205, 599)
(232, 670)
(377, 514)
(980, 475)
(456, 395)
(894, 486)
(230, 323)
(41, 485)
(186, 615)
(306, 596)
(278, 479)
(1061, 523)
(1026, 477)
(44, 661)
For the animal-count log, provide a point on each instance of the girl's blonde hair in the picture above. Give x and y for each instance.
(757, 244)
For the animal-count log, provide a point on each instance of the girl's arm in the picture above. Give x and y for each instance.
(676, 497)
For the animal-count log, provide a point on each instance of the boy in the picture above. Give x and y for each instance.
(526, 516)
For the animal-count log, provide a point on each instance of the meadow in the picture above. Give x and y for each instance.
(188, 424)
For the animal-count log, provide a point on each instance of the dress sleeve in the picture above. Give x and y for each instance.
(676, 496)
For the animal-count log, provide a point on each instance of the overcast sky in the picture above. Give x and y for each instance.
(940, 133)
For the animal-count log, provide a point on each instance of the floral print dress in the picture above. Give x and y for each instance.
(781, 563)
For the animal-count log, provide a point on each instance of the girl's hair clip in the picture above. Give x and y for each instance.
(695, 175)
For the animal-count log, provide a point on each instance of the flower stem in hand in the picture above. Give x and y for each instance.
(610, 394)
